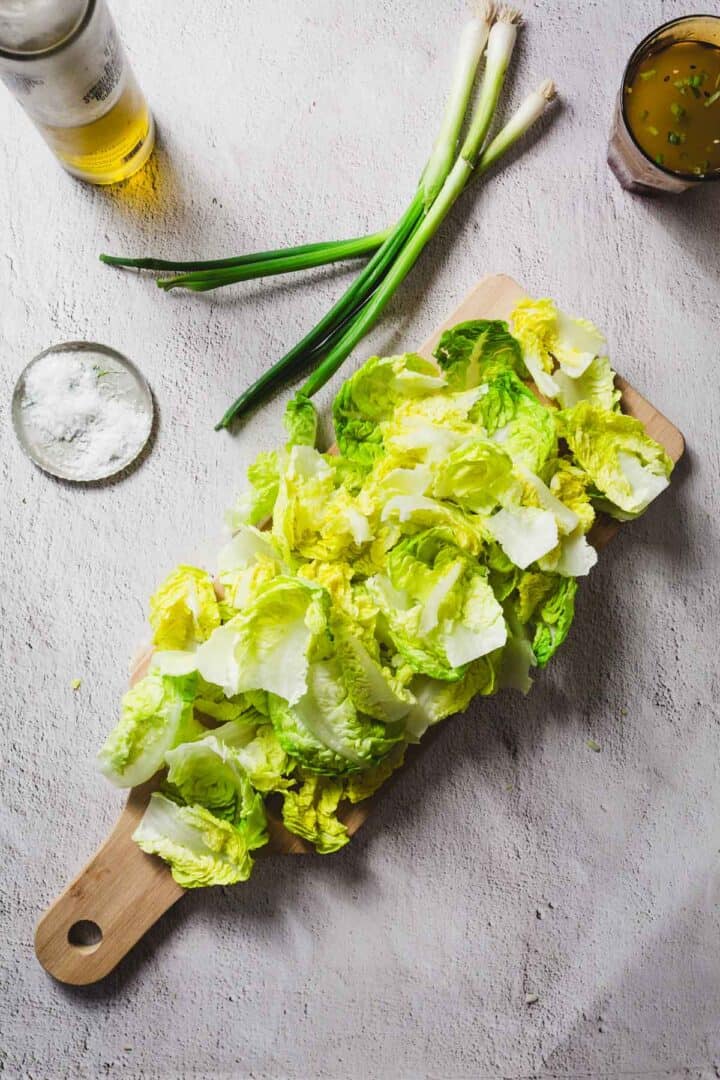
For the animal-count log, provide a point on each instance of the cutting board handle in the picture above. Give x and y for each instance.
(108, 907)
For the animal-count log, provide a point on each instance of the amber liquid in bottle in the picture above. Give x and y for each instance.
(110, 148)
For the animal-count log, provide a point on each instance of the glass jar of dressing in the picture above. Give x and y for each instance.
(666, 133)
(64, 63)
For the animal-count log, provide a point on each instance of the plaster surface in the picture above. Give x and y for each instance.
(512, 860)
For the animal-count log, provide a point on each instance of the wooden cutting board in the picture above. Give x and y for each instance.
(121, 892)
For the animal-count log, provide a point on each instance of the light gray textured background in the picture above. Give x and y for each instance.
(512, 860)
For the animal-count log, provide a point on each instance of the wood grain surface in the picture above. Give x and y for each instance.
(122, 891)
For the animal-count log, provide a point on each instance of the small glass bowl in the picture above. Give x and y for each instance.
(86, 448)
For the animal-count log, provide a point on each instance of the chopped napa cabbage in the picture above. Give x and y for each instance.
(371, 396)
(433, 560)
(570, 485)
(440, 610)
(386, 482)
(425, 430)
(573, 557)
(210, 701)
(200, 848)
(415, 513)
(267, 645)
(300, 421)
(208, 773)
(257, 502)
(435, 699)
(472, 351)
(623, 462)
(156, 715)
(502, 572)
(324, 731)
(249, 561)
(477, 475)
(550, 338)
(336, 579)
(314, 517)
(258, 751)
(525, 533)
(184, 609)
(546, 604)
(265, 761)
(566, 519)
(306, 484)
(513, 417)
(363, 785)
(596, 385)
(311, 812)
(248, 545)
(373, 689)
(518, 659)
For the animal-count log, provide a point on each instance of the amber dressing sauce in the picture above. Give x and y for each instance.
(672, 107)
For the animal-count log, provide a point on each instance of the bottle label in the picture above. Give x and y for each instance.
(111, 72)
(75, 85)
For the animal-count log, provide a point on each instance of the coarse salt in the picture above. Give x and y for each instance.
(77, 406)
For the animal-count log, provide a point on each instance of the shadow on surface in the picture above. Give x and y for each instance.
(692, 219)
(638, 1019)
(665, 526)
(153, 192)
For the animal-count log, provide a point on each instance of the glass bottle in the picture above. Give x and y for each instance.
(64, 63)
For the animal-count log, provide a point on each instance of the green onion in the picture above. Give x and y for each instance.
(472, 44)
(712, 99)
(467, 164)
(471, 161)
(202, 281)
(394, 251)
(332, 250)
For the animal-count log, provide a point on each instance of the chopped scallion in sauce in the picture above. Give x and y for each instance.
(672, 106)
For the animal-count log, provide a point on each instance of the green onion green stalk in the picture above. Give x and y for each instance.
(245, 267)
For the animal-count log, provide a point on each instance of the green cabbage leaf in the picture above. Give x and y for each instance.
(156, 715)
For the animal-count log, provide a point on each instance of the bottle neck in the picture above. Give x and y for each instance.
(29, 28)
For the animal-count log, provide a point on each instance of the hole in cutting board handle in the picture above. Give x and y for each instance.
(85, 935)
